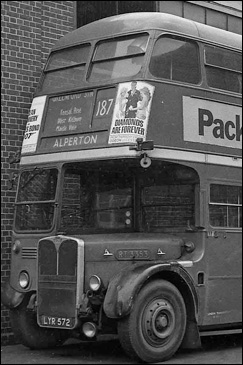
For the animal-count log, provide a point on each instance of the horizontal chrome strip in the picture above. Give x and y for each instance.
(29, 253)
(124, 152)
(220, 332)
(187, 263)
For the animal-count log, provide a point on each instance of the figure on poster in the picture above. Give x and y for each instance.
(121, 101)
(132, 100)
(142, 106)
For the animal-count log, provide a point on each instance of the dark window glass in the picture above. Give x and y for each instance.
(37, 185)
(175, 59)
(119, 198)
(89, 11)
(65, 69)
(34, 216)
(135, 6)
(223, 69)
(168, 206)
(119, 58)
(111, 70)
(63, 80)
(225, 206)
(168, 199)
(35, 200)
(68, 57)
(223, 58)
(121, 48)
(96, 201)
(224, 79)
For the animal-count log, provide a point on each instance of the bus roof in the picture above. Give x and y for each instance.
(134, 22)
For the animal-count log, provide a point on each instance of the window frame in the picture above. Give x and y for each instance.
(220, 204)
(184, 39)
(208, 65)
(30, 202)
(83, 63)
(93, 62)
(43, 88)
(81, 171)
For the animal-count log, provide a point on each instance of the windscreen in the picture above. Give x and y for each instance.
(35, 200)
(127, 198)
(96, 200)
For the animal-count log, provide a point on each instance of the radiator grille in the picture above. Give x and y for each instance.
(57, 280)
(58, 259)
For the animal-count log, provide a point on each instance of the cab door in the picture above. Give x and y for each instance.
(224, 254)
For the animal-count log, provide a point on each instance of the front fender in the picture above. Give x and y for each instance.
(10, 297)
(124, 287)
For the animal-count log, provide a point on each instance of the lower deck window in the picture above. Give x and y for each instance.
(225, 207)
(96, 200)
(168, 207)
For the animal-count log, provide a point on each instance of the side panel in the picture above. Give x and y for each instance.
(224, 284)
(223, 248)
(185, 117)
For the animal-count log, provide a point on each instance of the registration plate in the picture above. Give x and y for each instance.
(50, 321)
(133, 254)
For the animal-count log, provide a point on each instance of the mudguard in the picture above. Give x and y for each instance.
(10, 297)
(124, 287)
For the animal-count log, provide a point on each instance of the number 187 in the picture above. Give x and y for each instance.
(103, 108)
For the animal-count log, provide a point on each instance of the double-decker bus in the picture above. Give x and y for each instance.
(129, 203)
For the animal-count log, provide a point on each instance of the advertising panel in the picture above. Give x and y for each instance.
(131, 112)
(212, 122)
(33, 125)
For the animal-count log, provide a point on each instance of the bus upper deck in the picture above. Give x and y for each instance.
(187, 82)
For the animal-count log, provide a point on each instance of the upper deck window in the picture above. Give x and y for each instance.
(175, 59)
(118, 58)
(223, 69)
(65, 69)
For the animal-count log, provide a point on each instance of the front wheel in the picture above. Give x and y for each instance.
(155, 328)
(26, 330)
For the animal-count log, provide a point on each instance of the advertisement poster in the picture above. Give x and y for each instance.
(33, 125)
(131, 112)
(212, 122)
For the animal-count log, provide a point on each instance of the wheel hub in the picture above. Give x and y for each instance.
(159, 320)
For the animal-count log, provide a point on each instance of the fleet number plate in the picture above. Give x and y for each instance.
(56, 321)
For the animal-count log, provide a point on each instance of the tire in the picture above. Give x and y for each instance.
(26, 330)
(155, 328)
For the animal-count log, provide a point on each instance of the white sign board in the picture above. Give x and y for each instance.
(33, 124)
(212, 122)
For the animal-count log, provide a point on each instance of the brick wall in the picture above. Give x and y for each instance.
(29, 30)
